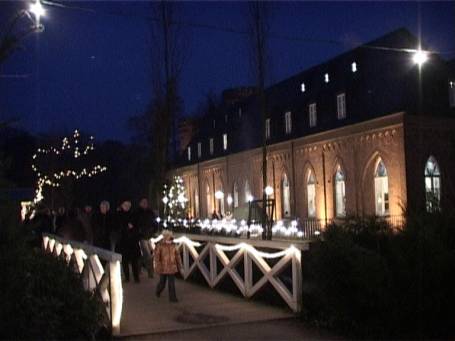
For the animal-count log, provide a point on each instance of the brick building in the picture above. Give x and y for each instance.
(369, 132)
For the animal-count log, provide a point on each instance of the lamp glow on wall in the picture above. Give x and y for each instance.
(229, 200)
(250, 198)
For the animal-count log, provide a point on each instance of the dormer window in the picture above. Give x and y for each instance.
(214, 123)
(189, 153)
(240, 112)
(354, 67)
(326, 78)
(288, 122)
(211, 146)
(341, 106)
(452, 94)
(267, 128)
(302, 87)
(199, 149)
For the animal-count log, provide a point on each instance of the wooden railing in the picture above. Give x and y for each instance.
(200, 247)
(87, 260)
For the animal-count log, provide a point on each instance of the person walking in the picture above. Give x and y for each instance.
(144, 219)
(128, 245)
(103, 226)
(167, 264)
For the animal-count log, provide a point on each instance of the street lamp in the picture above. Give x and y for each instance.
(268, 190)
(37, 10)
(420, 57)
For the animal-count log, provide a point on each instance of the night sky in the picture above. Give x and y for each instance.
(92, 70)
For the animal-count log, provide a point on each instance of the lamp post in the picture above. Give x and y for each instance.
(13, 36)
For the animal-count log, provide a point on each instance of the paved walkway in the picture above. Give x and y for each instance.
(198, 307)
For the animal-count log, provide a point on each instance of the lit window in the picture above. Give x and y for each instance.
(288, 122)
(311, 195)
(267, 128)
(211, 146)
(247, 190)
(312, 113)
(326, 78)
(432, 185)
(354, 67)
(286, 197)
(302, 87)
(236, 196)
(225, 141)
(199, 149)
(341, 106)
(340, 194)
(452, 94)
(381, 189)
(189, 153)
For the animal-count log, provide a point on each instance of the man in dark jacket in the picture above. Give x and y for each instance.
(129, 241)
(102, 226)
(145, 221)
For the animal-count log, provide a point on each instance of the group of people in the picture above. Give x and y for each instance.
(125, 231)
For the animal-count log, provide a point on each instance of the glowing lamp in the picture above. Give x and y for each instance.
(268, 190)
(37, 9)
(420, 57)
(229, 199)
(219, 195)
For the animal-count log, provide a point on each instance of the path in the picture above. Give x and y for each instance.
(198, 307)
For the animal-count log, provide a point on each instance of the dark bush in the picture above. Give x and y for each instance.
(41, 297)
(364, 280)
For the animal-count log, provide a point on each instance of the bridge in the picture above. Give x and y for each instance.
(246, 266)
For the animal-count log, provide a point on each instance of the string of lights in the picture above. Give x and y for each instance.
(68, 147)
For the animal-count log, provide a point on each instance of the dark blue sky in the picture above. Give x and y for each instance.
(92, 70)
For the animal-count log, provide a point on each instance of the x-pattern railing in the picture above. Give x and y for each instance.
(103, 280)
(216, 248)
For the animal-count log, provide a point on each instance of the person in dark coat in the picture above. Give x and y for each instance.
(128, 244)
(144, 219)
(102, 226)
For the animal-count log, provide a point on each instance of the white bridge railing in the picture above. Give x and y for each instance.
(104, 280)
(199, 247)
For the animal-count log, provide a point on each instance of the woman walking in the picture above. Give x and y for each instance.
(167, 264)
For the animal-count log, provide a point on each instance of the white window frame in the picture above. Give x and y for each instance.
(211, 145)
(288, 122)
(432, 186)
(311, 195)
(313, 115)
(381, 190)
(199, 149)
(225, 141)
(267, 128)
(341, 106)
(285, 197)
(189, 153)
(452, 93)
(340, 193)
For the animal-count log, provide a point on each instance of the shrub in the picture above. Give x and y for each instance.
(42, 298)
(365, 281)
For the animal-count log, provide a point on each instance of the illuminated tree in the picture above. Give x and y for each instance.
(174, 200)
(54, 165)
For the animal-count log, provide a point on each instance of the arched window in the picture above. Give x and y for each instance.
(248, 195)
(311, 194)
(236, 195)
(340, 193)
(208, 194)
(196, 203)
(286, 197)
(432, 185)
(381, 189)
